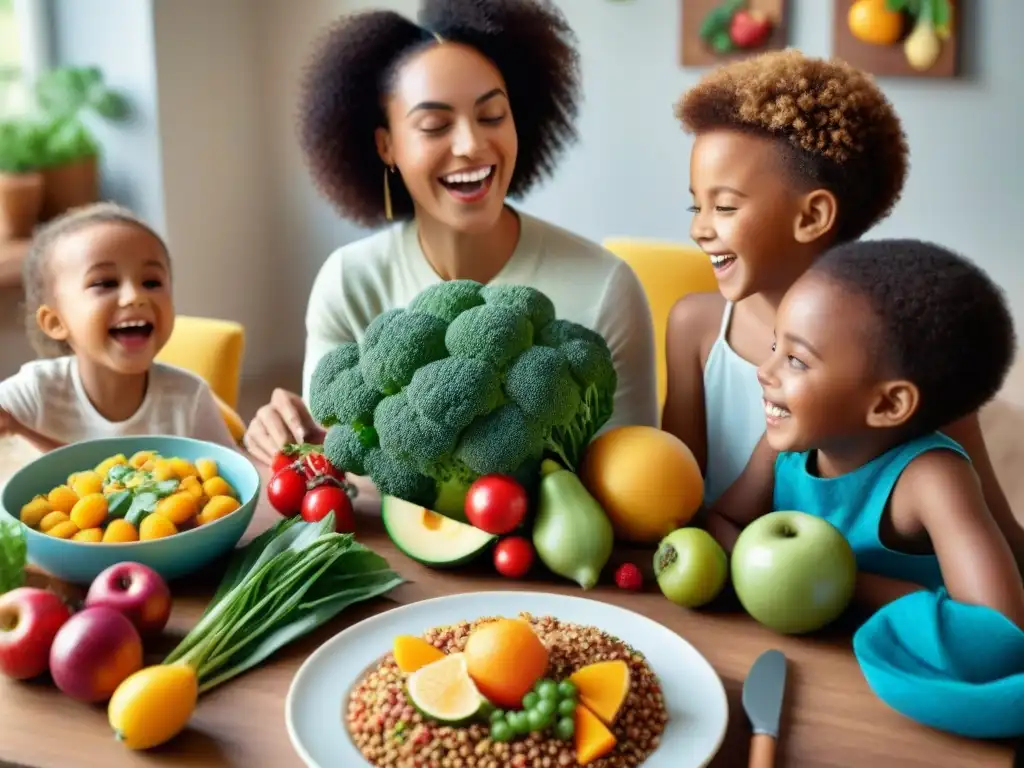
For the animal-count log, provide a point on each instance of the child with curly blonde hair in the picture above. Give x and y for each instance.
(99, 310)
(792, 155)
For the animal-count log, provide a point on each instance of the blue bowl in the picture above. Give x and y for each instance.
(172, 557)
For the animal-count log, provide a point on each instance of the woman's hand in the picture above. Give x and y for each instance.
(285, 419)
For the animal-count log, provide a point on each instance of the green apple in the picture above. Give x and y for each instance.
(691, 567)
(793, 572)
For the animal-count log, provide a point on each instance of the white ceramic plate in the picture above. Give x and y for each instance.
(317, 700)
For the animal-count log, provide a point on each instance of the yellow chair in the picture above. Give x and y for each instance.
(668, 271)
(212, 349)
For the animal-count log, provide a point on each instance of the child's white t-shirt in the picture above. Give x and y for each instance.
(47, 396)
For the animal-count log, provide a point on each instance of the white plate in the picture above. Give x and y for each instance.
(317, 700)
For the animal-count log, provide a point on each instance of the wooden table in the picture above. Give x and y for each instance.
(831, 716)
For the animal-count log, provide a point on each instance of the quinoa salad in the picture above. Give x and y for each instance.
(389, 730)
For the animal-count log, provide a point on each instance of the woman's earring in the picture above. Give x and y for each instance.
(388, 214)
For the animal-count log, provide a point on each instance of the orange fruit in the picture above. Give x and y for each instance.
(592, 739)
(871, 22)
(646, 480)
(412, 653)
(505, 658)
(602, 687)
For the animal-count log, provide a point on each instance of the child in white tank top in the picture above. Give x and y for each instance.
(785, 148)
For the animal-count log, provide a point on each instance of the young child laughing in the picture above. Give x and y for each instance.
(877, 346)
(99, 310)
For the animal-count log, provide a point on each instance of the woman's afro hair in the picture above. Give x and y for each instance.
(341, 104)
(941, 322)
(840, 131)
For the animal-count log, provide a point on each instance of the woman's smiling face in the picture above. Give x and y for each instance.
(451, 136)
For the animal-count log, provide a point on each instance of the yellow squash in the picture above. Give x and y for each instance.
(153, 705)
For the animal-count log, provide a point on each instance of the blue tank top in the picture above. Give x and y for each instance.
(733, 411)
(854, 503)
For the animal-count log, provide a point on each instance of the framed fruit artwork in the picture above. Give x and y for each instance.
(898, 38)
(714, 31)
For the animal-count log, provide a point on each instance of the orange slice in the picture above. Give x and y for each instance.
(592, 739)
(603, 687)
(412, 653)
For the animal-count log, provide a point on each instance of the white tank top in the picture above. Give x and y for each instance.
(733, 411)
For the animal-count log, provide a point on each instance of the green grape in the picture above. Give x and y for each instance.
(567, 689)
(547, 689)
(546, 706)
(565, 728)
(519, 721)
(497, 715)
(502, 731)
(567, 707)
(530, 700)
(538, 720)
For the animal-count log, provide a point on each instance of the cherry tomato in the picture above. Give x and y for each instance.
(316, 465)
(327, 498)
(513, 557)
(281, 460)
(286, 491)
(496, 504)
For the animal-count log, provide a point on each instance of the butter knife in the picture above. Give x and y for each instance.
(763, 692)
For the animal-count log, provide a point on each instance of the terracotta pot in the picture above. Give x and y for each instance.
(70, 186)
(21, 200)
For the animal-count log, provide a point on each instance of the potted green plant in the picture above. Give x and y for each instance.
(65, 96)
(22, 154)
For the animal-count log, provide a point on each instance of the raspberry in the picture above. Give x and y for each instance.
(628, 576)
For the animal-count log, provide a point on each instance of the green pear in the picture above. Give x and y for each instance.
(572, 534)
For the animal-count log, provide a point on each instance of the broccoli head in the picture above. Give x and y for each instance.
(467, 380)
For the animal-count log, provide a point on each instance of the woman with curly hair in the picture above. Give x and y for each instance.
(792, 155)
(431, 126)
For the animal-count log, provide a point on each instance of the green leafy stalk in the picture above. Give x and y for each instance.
(288, 581)
(13, 555)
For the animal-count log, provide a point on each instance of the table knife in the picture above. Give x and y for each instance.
(763, 692)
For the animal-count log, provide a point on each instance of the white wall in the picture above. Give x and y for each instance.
(212, 155)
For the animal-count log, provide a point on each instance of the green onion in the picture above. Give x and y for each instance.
(13, 555)
(283, 584)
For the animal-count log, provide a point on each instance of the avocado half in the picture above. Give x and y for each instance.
(430, 538)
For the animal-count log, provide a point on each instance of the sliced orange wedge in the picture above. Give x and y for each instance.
(412, 653)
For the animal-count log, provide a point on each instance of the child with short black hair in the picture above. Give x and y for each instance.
(99, 309)
(878, 346)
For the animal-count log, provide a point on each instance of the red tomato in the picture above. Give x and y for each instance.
(286, 491)
(327, 498)
(513, 557)
(281, 460)
(496, 504)
(316, 465)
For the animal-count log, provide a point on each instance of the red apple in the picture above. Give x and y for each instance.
(137, 591)
(94, 652)
(29, 620)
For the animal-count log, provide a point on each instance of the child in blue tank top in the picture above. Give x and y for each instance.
(877, 346)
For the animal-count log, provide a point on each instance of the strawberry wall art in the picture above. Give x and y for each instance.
(714, 31)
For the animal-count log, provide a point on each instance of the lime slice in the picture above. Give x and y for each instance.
(444, 691)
